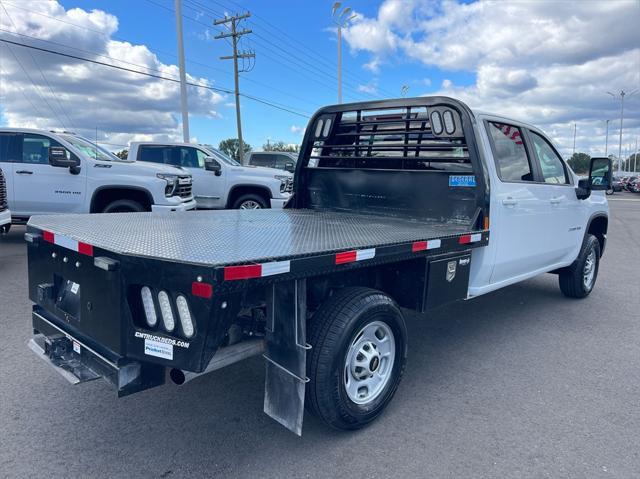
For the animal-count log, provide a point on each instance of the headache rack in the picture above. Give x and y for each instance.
(394, 138)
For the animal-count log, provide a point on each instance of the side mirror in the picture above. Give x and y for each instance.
(600, 173)
(210, 164)
(290, 167)
(58, 158)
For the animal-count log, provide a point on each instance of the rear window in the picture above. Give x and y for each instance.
(259, 159)
(391, 139)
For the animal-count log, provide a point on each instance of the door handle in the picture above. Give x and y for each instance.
(556, 200)
(509, 202)
(24, 172)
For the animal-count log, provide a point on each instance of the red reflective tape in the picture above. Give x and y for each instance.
(242, 272)
(465, 239)
(84, 248)
(202, 290)
(49, 237)
(346, 257)
(419, 246)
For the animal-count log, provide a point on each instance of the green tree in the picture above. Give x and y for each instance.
(230, 147)
(281, 146)
(579, 163)
(123, 154)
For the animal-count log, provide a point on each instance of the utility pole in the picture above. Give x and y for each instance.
(341, 19)
(235, 36)
(574, 138)
(183, 74)
(622, 95)
(606, 139)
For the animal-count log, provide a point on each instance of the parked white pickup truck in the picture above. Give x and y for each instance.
(413, 203)
(5, 214)
(85, 179)
(220, 181)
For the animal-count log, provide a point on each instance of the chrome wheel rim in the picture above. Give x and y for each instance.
(369, 363)
(250, 205)
(589, 271)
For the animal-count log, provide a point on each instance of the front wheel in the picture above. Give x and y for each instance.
(359, 351)
(123, 206)
(578, 280)
(250, 202)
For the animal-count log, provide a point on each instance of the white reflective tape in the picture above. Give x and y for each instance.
(433, 244)
(277, 267)
(476, 237)
(365, 254)
(66, 242)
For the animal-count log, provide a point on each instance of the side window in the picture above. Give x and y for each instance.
(188, 157)
(201, 156)
(154, 154)
(35, 148)
(258, 159)
(509, 152)
(551, 165)
(282, 160)
(8, 150)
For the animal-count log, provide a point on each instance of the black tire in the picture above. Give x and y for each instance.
(4, 229)
(123, 206)
(609, 192)
(250, 198)
(572, 279)
(332, 332)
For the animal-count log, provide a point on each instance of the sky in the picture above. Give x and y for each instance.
(549, 63)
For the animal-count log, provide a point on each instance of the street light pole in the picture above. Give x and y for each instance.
(622, 95)
(183, 75)
(575, 127)
(341, 19)
(606, 139)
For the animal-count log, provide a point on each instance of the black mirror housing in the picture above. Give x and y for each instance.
(211, 164)
(290, 167)
(600, 174)
(58, 158)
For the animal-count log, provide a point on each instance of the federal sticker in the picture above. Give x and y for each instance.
(462, 180)
(76, 347)
(74, 288)
(158, 349)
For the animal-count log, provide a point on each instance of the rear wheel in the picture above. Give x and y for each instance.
(359, 351)
(4, 229)
(578, 280)
(123, 206)
(250, 202)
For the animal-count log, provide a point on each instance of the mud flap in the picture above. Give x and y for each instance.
(286, 355)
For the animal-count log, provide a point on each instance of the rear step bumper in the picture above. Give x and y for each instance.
(78, 363)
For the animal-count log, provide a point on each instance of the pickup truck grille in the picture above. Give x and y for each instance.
(3, 193)
(184, 187)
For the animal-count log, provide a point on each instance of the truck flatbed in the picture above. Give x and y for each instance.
(217, 238)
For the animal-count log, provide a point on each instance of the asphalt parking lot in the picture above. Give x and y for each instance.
(518, 383)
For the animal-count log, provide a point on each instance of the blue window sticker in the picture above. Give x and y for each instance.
(462, 180)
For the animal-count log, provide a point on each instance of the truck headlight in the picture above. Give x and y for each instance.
(286, 183)
(172, 183)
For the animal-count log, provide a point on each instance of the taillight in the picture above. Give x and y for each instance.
(149, 307)
(167, 313)
(185, 316)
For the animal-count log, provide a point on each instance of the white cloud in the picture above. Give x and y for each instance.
(297, 129)
(371, 88)
(122, 105)
(548, 63)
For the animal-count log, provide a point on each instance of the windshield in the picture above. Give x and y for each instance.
(90, 149)
(220, 156)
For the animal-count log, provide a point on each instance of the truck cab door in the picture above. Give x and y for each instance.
(38, 187)
(565, 214)
(208, 187)
(519, 208)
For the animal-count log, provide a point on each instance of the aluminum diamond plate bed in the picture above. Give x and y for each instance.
(215, 238)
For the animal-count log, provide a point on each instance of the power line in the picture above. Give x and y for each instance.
(160, 77)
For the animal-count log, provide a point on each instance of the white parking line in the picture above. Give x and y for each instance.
(623, 199)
